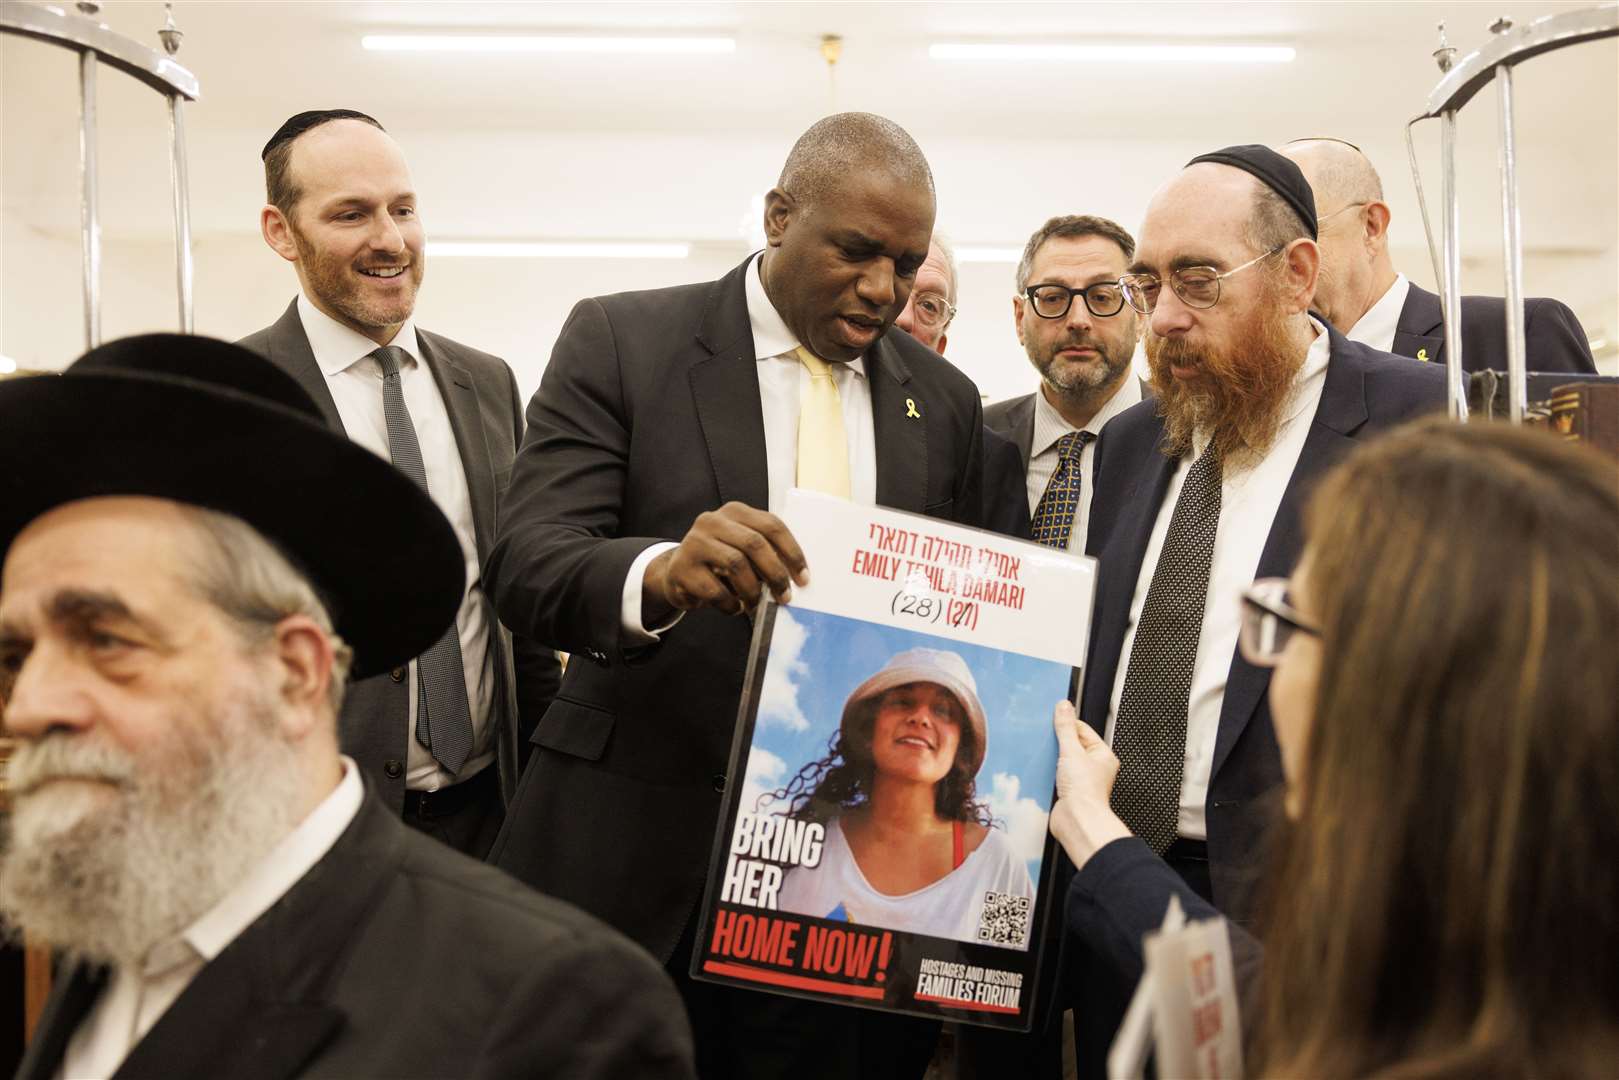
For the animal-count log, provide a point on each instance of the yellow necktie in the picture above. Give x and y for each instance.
(823, 449)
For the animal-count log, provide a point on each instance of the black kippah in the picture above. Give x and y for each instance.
(1276, 172)
(301, 123)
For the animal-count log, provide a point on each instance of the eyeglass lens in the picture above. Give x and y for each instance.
(1102, 299)
(931, 309)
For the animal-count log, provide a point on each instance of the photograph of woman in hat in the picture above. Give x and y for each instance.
(908, 845)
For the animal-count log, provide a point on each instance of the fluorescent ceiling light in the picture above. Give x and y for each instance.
(531, 43)
(571, 249)
(1116, 52)
(988, 254)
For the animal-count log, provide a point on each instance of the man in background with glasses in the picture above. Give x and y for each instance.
(926, 318)
(1079, 334)
(1361, 293)
(1199, 495)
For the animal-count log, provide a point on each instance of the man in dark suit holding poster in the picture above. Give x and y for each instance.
(637, 528)
(438, 737)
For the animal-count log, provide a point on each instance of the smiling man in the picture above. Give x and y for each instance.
(1079, 334)
(439, 736)
(638, 526)
(178, 619)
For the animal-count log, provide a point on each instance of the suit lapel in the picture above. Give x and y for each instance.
(1120, 565)
(460, 398)
(725, 390)
(1415, 333)
(899, 420)
(1022, 417)
(1341, 412)
(76, 990)
(290, 351)
(262, 1008)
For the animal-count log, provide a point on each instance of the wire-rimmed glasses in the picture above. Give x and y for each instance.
(1197, 286)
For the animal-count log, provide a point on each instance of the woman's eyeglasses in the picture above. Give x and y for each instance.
(1269, 622)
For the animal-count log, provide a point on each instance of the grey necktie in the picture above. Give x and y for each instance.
(443, 720)
(1149, 736)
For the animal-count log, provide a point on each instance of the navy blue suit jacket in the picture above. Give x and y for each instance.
(1365, 392)
(1553, 335)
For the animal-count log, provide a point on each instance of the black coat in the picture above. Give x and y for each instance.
(1554, 338)
(1365, 392)
(480, 396)
(395, 956)
(648, 415)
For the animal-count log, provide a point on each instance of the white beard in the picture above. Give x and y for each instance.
(107, 869)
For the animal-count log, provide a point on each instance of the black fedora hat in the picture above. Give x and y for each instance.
(205, 423)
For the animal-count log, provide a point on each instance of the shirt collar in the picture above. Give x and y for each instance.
(275, 874)
(337, 347)
(1378, 326)
(771, 337)
(1049, 425)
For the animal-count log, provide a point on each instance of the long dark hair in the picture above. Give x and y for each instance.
(1444, 905)
(841, 781)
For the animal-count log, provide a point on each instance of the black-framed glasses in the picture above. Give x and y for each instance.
(1269, 622)
(1197, 286)
(931, 309)
(1052, 301)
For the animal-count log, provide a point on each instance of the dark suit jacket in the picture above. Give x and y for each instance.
(648, 415)
(480, 395)
(395, 956)
(1365, 392)
(1121, 894)
(1013, 419)
(1553, 335)
(1006, 487)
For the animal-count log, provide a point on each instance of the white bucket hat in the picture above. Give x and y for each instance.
(947, 669)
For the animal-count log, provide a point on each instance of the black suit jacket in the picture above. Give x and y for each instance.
(1365, 392)
(1553, 335)
(1013, 419)
(480, 395)
(1006, 486)
(648, 415)
(395, 956)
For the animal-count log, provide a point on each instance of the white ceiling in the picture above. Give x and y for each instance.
(530, 146)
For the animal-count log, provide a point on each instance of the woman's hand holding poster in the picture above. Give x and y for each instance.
(887, 843)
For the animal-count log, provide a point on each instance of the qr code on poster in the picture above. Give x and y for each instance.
(1004, 920)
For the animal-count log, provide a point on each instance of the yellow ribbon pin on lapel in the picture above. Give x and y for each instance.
(910, 409)
(1422, 354)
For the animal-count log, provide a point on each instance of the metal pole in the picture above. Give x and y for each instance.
(1455, 378)
(182, 211)
(1512, 250)
(89, 223)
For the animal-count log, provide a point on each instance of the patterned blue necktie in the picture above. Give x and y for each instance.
(1054, 518)
(443, 718)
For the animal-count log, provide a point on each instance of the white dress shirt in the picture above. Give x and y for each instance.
(1049, 426)
(355, 380)
(134, 1001)
(1249, 499)
(1376, 328)
(782, 380)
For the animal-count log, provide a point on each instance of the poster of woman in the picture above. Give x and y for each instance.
(887, 845)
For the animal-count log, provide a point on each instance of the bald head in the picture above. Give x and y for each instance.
(1356, 269)
(1339, 173)
(846, 143)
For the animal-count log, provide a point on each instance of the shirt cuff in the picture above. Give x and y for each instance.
(629, 615)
